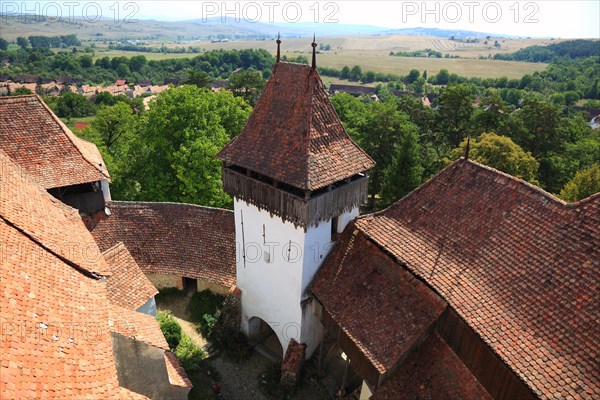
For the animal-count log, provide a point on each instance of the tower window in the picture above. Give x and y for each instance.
(334, 225)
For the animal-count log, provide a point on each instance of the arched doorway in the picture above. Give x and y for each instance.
(264, 339)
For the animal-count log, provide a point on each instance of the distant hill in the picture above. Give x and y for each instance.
(196, 29)
(443, 33)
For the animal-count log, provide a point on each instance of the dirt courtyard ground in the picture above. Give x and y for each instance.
(240, 380)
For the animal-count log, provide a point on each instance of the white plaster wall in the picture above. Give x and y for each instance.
(345, 219)
(271, 283)
(273, 280)
(105, 189)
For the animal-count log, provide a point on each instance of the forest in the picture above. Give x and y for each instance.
(527, 127)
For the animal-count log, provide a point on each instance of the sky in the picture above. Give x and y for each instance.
(541, 18)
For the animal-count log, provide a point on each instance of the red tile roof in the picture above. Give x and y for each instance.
(126, 394)
(51, 224)
(177, 375)
(136, 325)
(55, 341)
(41, 144)
(171, 238)
(128, 286)
(518, 265)
(433, 371)
(294, 134)
(382, 308)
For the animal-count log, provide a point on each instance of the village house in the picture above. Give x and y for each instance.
(70, 168)
(69, 327)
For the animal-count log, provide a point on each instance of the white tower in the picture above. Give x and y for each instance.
(297, 179)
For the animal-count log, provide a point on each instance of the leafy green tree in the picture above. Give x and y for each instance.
(123, 70)
(137, 62)
(183, 131)
(115, 130)
(198, 78)
(3, 44)
(405, 171)
(22, 42)
(536, 127)
(73, 105)
(455, 112)
(412, 76)
(248, 85)
(442, 77)
(418, 86)
(378, 131)
(491, 114)
(585, 183)
(499, 152)
(21, 91)
(345, 74)
(356, 73)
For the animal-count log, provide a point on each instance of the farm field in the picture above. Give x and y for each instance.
(372, 53)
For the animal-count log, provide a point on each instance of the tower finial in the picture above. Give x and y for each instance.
(278, 50)
(314, 53)
(468, 147)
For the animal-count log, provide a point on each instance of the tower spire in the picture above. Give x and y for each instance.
(467, 148)
(314, 52)
(278, 49)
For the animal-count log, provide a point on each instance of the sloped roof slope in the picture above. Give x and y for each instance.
(518, 265)
(294, 134)
(52, 225)
(56, 341)
(44, 147)
(433, 371)
(173, 238)
(128, 286)
(382, 308)
(136, 325)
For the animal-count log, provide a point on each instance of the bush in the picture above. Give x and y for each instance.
(202, 303)
(189, 354)
(170, 328)
(206, 325)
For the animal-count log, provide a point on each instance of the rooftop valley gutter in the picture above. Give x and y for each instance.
(70, 263)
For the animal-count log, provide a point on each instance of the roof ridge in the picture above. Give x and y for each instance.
(171, 203)
(531, 187)
(113, 248)
(70, 135)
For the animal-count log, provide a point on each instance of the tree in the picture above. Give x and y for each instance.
(21, 91)
(356, 73)
(345, 74)
(491, 113)
(181, 134)
(536, 127)
(248, 85)
(22, 42)
(3, 44)
(73, 105)
(382, 126)
(442, 77)
(198, 78)
(499, 152)
(412, 76)
(115, 131)
(137, 62)
(455, 112)
(405, 171)
(585, 183)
